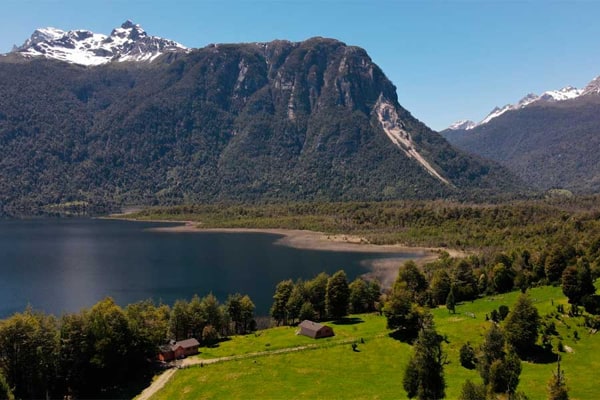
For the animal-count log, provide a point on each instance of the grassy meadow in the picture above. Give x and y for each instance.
(375, 371)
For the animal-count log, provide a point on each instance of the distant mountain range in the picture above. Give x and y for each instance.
(549, 141)
(126, 43)
(88, 120)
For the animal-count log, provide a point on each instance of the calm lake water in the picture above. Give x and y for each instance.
(63, 265)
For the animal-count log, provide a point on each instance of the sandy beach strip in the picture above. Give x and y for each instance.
(384, 270)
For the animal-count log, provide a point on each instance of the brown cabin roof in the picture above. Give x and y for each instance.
(310, 325)
(186, 344)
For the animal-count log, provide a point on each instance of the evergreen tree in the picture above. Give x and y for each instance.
(425, 370)
(522, 325)
(450, 302)
(280, 300)
(557, 388)
(472, 391)
(337, 295)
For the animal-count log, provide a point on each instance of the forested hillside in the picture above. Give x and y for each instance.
(315, 120)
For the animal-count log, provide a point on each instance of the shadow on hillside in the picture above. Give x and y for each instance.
(540, 355)
(404, 336)
(348, 321)
(217, 343)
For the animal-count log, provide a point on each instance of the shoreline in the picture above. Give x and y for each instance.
(384, 269)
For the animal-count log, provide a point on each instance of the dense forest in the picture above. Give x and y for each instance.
(278, 121)
(547, 144)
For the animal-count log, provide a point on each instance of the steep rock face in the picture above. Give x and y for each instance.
(315, 120)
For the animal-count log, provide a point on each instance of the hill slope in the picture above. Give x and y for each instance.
(547, 144)
(315, 120)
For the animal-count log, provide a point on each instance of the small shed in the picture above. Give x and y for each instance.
(174, 350)
(314, 329)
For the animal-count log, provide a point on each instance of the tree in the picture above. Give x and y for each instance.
(401, 313)
(522, 325)
(425, 370)
(504, 373)
(467, 356)
(317, 292)
(212, 311)
(240, 310)
(307, 311)
(450, 302)
(557, 388)
(472, 391)
(555, 264)
(502, 278)
(440, 286)
(492, 349)
(411, 279)
(280, 300)
(359, 296)
(464, 281)
(577, 282)
(28, 352)
(179, 322)
(295, 301)
(337, 295)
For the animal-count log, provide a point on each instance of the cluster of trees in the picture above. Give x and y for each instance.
(107, 351)
(323, 297)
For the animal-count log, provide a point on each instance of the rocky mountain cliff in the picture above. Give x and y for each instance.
(278, 121)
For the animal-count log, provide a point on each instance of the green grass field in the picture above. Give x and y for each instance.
(333, 370)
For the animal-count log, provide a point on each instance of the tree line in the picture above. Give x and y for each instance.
(323, 297)
(107, 351)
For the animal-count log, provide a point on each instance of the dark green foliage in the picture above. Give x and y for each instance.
(281, 298)
(502, 278)
(411, 279)
(577, 282)
(295, 302)
(522, 325)
(401, 313)
(240, 310)
(464, 281)
(557, 388)
(307, 311)
(542, 131)
(504, 373)
(5, 391)
(424, 374)
(503, 312)
(492, 349)
(450, 301)
(337, 295)
(235, 123)
(440, 286)
(363, 295)
(467, 356)
(472, 391)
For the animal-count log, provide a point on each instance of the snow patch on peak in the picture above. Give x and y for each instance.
(566, 93)
(127, 43)
(593, 87)
(393, 128)
(462, 124)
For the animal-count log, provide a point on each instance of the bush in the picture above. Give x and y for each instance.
(503, 311)
(467, 356)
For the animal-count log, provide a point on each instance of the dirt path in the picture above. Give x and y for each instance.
(156, 385)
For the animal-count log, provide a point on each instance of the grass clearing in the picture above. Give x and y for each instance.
(375, 371)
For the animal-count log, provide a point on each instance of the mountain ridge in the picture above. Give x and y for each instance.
(280, 121)
(129, 42)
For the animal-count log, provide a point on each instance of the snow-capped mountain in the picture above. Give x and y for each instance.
(465, 124)
(126, 43)
(565, 93)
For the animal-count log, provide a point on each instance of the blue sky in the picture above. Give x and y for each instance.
(449, 60)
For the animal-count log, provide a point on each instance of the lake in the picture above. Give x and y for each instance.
(64, 265)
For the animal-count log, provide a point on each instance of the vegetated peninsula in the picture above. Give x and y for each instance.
(98, 121)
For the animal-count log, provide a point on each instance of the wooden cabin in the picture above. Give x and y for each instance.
(314, 329)
(181, 349)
